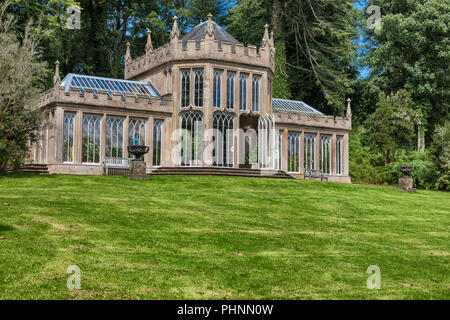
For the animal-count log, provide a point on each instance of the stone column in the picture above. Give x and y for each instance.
(51, 138)
(125, 137)
(78, 138)
(317, 150)
(59, 134)
(103, 139)
(302, 152)
(224, 92)
(333, 154)
(208, 80)
(345, 166)
(236, 92)
(284, 150)
(249, 91)
(149, 141)
(236, 141)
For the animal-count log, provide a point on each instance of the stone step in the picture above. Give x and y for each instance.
(221, 172)
(35, 168)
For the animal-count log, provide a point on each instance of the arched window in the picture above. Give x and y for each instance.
(191, 124)
(217, 89)
(198, 88)
(325, 154)
(255, 93)
(157, 142)
(91, 138)
(185, 88)
(243, 92)
(230, 89)
(309, 151)
(293, 152)
(223, 125)
(69, 119)
(136, 132)
(114, 137)
(339, 154)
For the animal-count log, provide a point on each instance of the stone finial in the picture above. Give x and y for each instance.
(127, 54)
(349, 108)
(56, 77)
(149, 45)
(175, 33)
(209, 31)
(271, 42)
(265, 40)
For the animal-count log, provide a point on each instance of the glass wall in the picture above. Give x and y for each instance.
(255, 93)
(136, 132)
(325, 154)
(114, 137)
(339, 154)
(185, 88)
(191, 138)
(293, 152)
(223, 140)
(157, 142)
(230, 89)
(243, 92)
(91, 138)
(217, 89)
(310, 151)
(198, 88)
(69, 120)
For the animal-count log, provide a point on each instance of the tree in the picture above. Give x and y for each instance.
(411, 50)
(20, 71)
(392, 125)
(314, 42)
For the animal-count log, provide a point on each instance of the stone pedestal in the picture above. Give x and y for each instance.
(138, 169)
(406, 184)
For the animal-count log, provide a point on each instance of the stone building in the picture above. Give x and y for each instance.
(203, 101)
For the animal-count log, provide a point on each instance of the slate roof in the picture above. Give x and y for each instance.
(293, 106)
(198, 32)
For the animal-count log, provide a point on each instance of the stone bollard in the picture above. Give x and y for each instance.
(406, 183)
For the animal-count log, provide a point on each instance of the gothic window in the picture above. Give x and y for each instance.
(309, 151)
(198, 88)
(69, 119)
(157, 142)
(256, 93)
(223, 140)
(136, 132)
(114, 137)
(191, 138)
(185, 88)
(243, 92)
(325, 154)
(339, 154)
(217, 88)
(91, 138)
(293, 152)
(230, 89)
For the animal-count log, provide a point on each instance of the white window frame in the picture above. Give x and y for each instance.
(92, 121)
(293, 149)
(217, 89)
(157, 138)
(70, 117)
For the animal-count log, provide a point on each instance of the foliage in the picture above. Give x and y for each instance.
(411, 50)
(441, 155)
(392, 125)
(20, 71)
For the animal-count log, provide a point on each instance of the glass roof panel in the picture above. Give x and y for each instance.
(108, 84)
(293, 106)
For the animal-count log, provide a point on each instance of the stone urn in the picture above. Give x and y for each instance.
(138, 166)
(405, 183)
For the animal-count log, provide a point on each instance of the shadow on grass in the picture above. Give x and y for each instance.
(5, 227)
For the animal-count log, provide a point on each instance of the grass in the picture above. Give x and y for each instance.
(186, 237)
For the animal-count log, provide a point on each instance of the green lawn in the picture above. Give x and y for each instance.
(186, 237)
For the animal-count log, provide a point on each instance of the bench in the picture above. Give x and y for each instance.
(116, 164)
(315, 174)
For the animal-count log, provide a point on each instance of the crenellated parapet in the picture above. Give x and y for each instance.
(59, 96)
(204, 49)
(312, 120)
